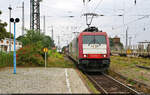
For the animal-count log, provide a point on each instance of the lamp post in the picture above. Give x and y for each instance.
(14, 21)
(10, 28)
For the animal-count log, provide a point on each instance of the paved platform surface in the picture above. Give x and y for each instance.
(41, 80)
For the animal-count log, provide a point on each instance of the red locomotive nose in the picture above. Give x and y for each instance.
(91, 48)
(96, 56)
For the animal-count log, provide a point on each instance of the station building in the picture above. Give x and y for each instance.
(116, 41)
(5, 45)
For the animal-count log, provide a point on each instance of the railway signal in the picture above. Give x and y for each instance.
(14, 21)
(45, 51)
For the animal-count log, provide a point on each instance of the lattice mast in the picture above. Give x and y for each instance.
(35, 15)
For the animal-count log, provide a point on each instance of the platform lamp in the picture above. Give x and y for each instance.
(14, 21)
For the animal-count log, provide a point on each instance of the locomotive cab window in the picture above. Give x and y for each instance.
(94, 39)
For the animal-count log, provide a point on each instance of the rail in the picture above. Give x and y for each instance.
(108, 85)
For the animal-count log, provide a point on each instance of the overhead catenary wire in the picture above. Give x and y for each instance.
(129, 10)
(97, 5)
(131, 22)
(86, 14)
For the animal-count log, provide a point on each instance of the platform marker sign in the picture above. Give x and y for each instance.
(45, 50)
(128, 51)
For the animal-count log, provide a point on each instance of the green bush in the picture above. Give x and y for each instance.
(30, 55)
(55, 54)
(56, 59)
(6, 59)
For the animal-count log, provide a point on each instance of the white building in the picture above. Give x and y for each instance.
(4, 45)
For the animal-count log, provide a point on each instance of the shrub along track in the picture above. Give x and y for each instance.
(108, 85)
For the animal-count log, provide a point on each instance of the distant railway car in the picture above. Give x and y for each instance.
(65, 50)
(91, 50)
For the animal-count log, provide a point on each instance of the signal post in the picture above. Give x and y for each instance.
(45, 51)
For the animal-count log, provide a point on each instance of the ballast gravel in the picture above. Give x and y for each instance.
(41, 80)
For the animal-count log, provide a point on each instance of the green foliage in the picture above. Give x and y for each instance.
(6, 59)
(111, 42)
(127, 61)
(34, 37)
(30, 55)
(143, 78)
(55, 54)
(48, 42)
(3, 32)
(32, 51)
(57, 60)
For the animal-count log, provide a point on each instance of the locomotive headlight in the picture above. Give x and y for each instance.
(84, 55)
(104, 55)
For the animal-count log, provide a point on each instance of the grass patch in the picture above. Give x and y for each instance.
(143, 78)
(132, 82)
(56, 59)
(89, 84)
(130, 61)
(59, 62)
(127, 66)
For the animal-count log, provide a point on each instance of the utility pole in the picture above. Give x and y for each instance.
(127, 38)
(67, 42)
(9, 27)
(44, 27)
(52, 33)
(75, 33)
(22, 18)
(130, 38)
(58, 43)
(126, 44)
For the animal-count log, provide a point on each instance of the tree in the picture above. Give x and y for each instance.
(34, 37)
(48, 42)
(3, 32)
(111, 43)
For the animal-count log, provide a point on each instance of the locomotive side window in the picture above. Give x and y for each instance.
(94, 39)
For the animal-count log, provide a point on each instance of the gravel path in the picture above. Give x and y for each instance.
(41, 80)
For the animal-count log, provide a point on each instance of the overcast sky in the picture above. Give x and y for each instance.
(56, 12)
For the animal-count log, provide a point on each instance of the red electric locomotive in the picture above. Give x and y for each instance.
(91, 50)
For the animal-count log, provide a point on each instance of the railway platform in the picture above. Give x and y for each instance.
(41, 80)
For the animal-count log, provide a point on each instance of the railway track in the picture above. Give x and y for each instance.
(108, 85)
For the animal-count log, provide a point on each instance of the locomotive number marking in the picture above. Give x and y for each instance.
(94, 46)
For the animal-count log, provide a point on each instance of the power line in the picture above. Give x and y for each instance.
(97, 5)
(131, 22)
